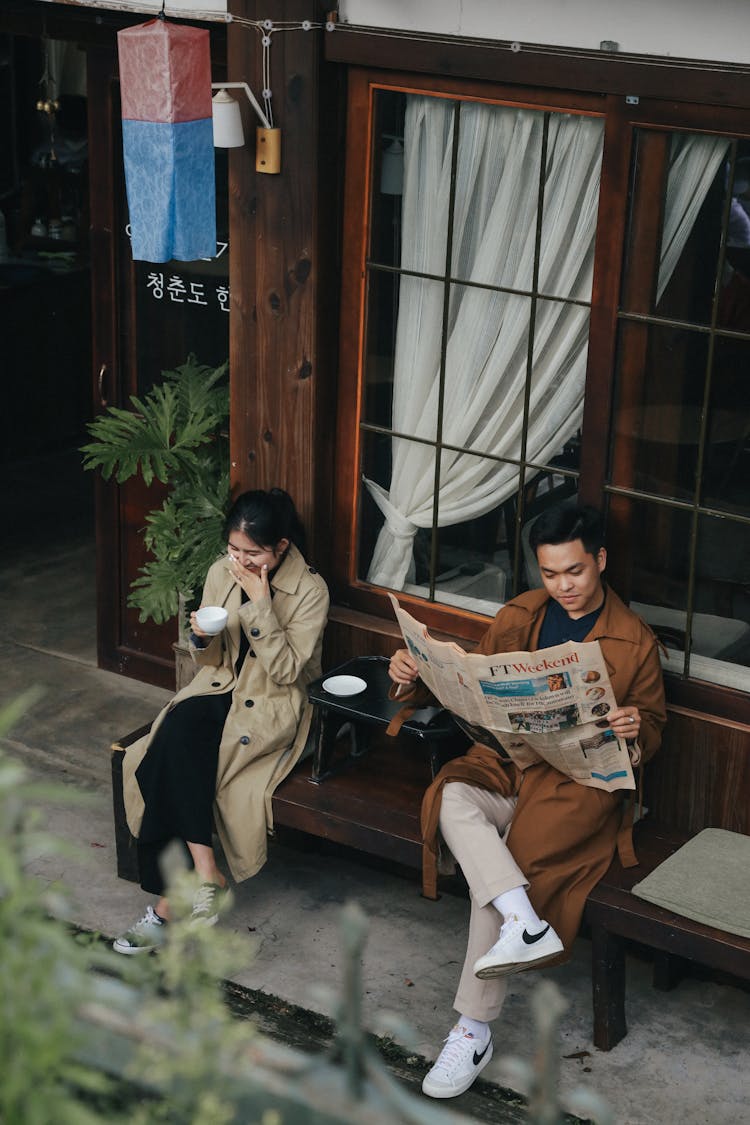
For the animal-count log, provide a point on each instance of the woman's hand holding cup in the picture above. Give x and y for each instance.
(195, 627)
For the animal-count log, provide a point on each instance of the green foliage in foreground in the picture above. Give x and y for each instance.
(43, 971)
(65, 1000)
(175, 434)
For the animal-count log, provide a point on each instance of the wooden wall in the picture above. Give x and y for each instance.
(700, 777)
(285, 265)
(284, 269)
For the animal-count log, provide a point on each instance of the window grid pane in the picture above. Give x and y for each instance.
(679, 452)
(455, 423)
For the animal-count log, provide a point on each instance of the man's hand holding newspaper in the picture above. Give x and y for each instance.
(551, 704)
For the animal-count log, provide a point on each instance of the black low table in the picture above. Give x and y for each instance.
(369, 709)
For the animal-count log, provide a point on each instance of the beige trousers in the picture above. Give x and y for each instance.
(472, 821)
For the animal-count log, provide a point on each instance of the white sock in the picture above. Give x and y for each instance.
(480, 1031)
(516, 901)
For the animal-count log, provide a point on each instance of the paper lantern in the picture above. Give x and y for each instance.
(167, 136)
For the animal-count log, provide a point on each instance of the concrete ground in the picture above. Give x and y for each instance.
(682, 1062)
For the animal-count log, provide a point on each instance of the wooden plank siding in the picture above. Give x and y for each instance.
(283, 271)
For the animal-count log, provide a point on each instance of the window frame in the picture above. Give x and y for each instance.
(621, 120)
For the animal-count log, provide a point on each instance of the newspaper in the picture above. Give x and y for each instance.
(551, 704)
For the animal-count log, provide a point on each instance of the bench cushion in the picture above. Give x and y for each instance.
(707, 879)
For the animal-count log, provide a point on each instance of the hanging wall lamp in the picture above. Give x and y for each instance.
(228, 131)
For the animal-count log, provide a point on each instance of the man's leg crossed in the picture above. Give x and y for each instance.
(471, 821)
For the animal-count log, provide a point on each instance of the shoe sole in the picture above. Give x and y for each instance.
(453, 1091)
(489, 972)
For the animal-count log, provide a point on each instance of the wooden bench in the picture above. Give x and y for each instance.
(616, 916)
(372, 803)
(699, 779)
(363, 790)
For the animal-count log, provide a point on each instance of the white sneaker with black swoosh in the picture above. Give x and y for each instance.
(517, 949)
(458, 1064)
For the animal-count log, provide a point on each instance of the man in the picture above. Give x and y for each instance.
(562, 834)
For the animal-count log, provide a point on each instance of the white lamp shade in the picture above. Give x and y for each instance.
(228, 131)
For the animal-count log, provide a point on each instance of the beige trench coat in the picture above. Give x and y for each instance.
(269, 719)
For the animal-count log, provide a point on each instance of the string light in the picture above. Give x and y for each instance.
(267, 29)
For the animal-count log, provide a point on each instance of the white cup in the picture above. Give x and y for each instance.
(211, 619)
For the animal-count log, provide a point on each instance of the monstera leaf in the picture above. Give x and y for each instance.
(175, 434)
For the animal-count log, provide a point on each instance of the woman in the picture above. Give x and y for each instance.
(216, 753)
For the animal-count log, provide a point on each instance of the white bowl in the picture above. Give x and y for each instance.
(344, 685)
(211, 619)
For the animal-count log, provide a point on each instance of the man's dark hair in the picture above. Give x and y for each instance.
(562, 524)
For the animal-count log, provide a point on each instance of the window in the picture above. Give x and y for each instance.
(541, 318)
(679, 475)
(478, 283)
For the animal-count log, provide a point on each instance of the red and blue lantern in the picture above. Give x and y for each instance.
(167, 135)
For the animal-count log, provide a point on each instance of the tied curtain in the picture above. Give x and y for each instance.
(493, 242)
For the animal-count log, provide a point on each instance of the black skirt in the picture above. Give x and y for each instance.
(177, 778)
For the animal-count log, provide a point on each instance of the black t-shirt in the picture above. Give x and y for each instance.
(558, 627)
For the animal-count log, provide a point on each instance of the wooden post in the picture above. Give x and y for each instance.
(282, 374)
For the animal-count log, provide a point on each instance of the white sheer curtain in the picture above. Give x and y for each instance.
(693, 164)
(494, 231)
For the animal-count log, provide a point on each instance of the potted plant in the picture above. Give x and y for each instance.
(175, 434)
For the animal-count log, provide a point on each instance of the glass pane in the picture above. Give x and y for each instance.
(677, 209)
(470, 567)
(561, 336)
(468, 564)
(648, 565)
(497, 186)
(721, 622)
(388, 175)
(410, 374)
(486, 364)
(571, 205)
(734, 298)
(420, 223)
(657, 418)
(466, 574)
(694, 211)
(473, 563)
(405, 472)
(376, 468)
(380, 349)
(726, 469)
(385, 231)
(649, 559)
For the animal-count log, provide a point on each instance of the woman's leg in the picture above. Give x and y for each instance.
(204, 861)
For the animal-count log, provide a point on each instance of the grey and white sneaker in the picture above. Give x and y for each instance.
(458, 1064)
(209, 902)
(147, 934)
(517, 949)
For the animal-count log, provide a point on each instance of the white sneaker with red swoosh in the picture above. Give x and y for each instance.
(517, 949)
(462, 1058)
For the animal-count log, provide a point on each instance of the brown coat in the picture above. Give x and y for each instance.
(563, 835)
(269, 718)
